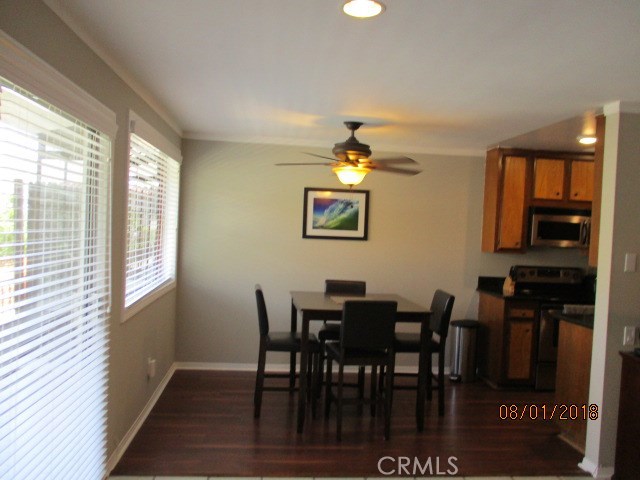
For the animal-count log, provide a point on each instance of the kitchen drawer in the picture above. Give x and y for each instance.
(519, 312)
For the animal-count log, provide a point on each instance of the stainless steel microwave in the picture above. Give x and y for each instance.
(560, 228)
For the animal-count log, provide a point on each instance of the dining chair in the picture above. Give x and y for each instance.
(278, 342)
(441, 307)
(331, 330)
(366, 338)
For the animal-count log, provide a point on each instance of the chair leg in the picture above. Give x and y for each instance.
(292, 373)
(441, 382)
(429, 376)
(388, 400)
(311, 381)
(320, 371)
(361, 373)
(257, 396)
(374, 386)
(381, 379)
(339, 402)
(327, 390)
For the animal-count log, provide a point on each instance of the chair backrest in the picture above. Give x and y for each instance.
(441, 307)
(345, 287)
(263, 318)
(368, 324)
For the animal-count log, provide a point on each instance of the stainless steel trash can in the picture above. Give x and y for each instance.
(464, 359)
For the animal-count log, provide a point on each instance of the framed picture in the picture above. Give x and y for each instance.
(335, 214)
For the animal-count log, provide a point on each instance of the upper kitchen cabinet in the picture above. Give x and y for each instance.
(548, 179)
(561, 182)
(517, 179)
(506, 178)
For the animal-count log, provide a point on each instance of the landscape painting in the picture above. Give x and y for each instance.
(335, 214)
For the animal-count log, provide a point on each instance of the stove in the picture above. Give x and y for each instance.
(559, 285)
(553, 287)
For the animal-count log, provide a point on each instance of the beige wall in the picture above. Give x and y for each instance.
(241, 224)
(151, 333)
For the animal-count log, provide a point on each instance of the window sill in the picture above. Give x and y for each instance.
(147, 300)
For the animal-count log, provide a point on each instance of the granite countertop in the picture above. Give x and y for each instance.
(583, 320)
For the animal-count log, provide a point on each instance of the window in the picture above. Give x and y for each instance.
(152, 222)
(54, 286)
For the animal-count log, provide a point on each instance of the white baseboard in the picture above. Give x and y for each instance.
(131, 433)
(273, 367)
(595, 470)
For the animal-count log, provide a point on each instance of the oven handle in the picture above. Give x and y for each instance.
(585, 229)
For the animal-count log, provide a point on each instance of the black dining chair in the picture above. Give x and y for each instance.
(366, 338)
(278, 342)
(331, 330)
(441, 307)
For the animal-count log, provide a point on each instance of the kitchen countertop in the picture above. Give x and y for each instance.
(577, 319)
(493, 286)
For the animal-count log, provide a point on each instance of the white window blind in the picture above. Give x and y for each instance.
(54, 291)
(154, 180)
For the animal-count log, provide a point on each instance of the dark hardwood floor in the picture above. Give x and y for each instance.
(203, 425)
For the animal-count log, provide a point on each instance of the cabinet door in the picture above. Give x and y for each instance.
(520, 349)
(581, 181)
(512, 203)
(548, 183)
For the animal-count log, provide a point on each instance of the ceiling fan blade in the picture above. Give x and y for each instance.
(401, 171)
(394, 160)
(316, 164)
(320, 156)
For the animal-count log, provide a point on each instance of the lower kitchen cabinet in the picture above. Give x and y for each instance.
(507, 340)
(572, 382)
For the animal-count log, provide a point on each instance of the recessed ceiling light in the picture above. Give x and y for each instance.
(363, 8)
(587, 139)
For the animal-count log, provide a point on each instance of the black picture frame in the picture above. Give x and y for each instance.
(335, 214)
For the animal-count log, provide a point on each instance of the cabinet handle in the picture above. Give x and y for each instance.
(557, 194)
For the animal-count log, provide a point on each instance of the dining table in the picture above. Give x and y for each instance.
(310, 306)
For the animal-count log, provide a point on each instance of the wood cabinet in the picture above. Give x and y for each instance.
(505, 202)
(517, 179)
(581, 181)
(507, 340)
(562, 180)
(627, 464)
(548, 183)
(572, 380)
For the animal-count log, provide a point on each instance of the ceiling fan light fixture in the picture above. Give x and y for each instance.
(587, 139)
(351, 176)
(363, 8)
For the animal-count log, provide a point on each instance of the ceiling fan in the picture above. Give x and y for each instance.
(352, 160)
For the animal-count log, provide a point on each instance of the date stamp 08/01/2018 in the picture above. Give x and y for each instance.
(561, 412)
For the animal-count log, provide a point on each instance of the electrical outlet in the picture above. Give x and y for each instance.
(630, 338)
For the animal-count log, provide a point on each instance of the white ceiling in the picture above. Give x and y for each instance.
(437, 76)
